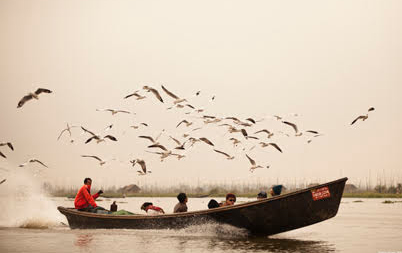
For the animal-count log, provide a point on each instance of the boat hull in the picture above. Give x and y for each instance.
(263, 217)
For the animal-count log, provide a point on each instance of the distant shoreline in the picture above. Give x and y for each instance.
(244, 195)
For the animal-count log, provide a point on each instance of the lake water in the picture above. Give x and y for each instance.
(368, 226)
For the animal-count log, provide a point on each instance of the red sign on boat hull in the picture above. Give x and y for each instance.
(320, 193)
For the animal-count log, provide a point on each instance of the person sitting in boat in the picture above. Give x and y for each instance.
(276, 190)
(213, 204)
(149, 208)
(181, 207)
(262, 195)
(230, 200)
(84, 201)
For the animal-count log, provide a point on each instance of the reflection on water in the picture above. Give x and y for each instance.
(83, 240)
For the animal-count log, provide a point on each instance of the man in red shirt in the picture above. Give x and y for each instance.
(84, 201)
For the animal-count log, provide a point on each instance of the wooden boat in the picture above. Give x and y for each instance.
(261, 217)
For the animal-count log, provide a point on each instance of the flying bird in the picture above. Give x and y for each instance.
(68, 129)
(1, 154)
(101, 162)
(8, 144)
(253, 164)
(292, 125)
(149, 138)
(98, 139)
(33, 161)
(113, 111)
(154, 91)
(143, 166)
(32, 95)
(235, 141)
(223, 153)
(158, 146)
(2, 181)
(251, 120)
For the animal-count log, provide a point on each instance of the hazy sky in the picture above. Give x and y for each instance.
(327, 61)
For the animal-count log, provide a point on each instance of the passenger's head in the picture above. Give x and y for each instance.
(87, 181)
(213, 204)
(145, 205)
(262, 195)
(230, 199)
(182, 197)
(276, 190)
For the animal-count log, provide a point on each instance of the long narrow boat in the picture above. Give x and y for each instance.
(261, 217)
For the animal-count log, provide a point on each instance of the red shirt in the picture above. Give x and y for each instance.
(84, 198)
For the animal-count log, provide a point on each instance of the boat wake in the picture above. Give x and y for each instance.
(210, 229)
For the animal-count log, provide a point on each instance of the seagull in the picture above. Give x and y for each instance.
(135, 93)
(8, 144)
(113, 111)
(223, 153)
(198, 93)
(2, 181)
(269, 134)
(363, 117)
(68, 129)
(253, 164)
(292, 125)
(163, 155)
(206, 141)
(212, 121)
(149, 138)
(101, 162)
(135, 127)
(186, 122)
(98, 139)
(32, 161)
(155, 92)
(177, 99)
(32, 95)
(277, 117)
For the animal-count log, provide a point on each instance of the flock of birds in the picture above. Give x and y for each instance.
(232, 124)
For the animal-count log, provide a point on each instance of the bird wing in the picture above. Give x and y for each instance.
(220, 152)
(183, 121)
(143, 166)
(41, 90)
(24, 99)
(147, 137)
(252, 137)
(251, 120)
(188, 105)
(312, 131)
(8, 144)
(263, 130)
(92, 156)
(169, 93)
(145, 124)
(292, 125)
(158, 146)
(90, 139)
(1, 154)
(2, 181)
(36, 160)
(58, 138)
(206, 141)
(244, 132)
(251, 160)
(354, 121)
(371, 109)
(110, 137)
(276, 146)
(85, 130)
(175, 140)
(156, 93)
(123, 111)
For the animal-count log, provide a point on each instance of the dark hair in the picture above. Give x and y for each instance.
(181, 197)
(86, 180)
(213, 204)
(230, 195)
(277, 189)
(145, 205)
(262, 194)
